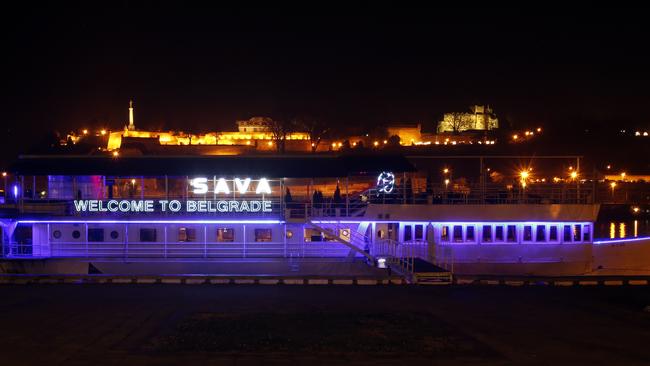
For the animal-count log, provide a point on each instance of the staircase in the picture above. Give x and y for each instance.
(356, 243)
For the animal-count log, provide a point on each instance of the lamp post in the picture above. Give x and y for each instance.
(4, 176)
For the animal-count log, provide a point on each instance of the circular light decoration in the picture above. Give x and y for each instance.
(385, 182)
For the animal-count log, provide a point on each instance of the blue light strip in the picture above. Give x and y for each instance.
(150, 222)
(614, 241)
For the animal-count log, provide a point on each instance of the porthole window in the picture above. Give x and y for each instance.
(76, 234)
(115, 234)
(56, 234)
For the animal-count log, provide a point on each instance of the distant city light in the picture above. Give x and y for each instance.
(524, 174)
(103, 132)
(116, 154)
(574, 174)
(636, 209)
(132, 181)
(385, 141)
(623, 175)
(514, 137)
(539, 129)
(609, 166)
(270, 143)
(446, 170)
(85, 131)
(4, 174)
(376, 143)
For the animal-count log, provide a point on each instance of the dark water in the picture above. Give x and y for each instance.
(625, 228)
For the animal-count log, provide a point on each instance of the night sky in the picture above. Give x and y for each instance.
(199, 69)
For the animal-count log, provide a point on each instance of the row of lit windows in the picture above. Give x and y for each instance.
(540, 233)
(185, 234)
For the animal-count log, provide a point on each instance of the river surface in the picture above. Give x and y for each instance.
(617, 229)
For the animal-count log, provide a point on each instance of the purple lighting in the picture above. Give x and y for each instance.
(150, 222)
(615, 241)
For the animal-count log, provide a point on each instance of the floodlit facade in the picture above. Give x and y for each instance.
(479, 118)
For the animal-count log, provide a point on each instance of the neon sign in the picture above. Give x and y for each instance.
(385, 182)
(221, 185)
(148, 206)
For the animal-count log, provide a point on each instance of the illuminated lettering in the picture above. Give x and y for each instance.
(80, 205)
(222, 187)
(200, 185)
(242, 188)
(174, 205)
(263, 187)
(127, 206)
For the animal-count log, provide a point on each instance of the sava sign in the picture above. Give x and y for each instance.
(223, 186)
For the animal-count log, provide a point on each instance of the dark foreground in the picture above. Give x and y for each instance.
(323, 325)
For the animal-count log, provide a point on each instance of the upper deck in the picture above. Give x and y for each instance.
(268, 187)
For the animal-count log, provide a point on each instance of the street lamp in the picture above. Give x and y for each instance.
(573, 174)
(446, 184)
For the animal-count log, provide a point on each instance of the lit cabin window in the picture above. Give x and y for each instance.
(552, 234)
(263, 235)
(566, 235)
(577, 232)
(408, 234)
(147, 235)
(486, 237)
(458, 234)
(586, 233)
(95, 234)
(419, 232)
(511, 234)
(225, 234)
(444, 233)
(186, 234)
(498, 233)
(540, 233)
(470, 233)
(528, 233)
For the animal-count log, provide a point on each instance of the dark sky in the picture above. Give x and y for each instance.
(198, 68)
